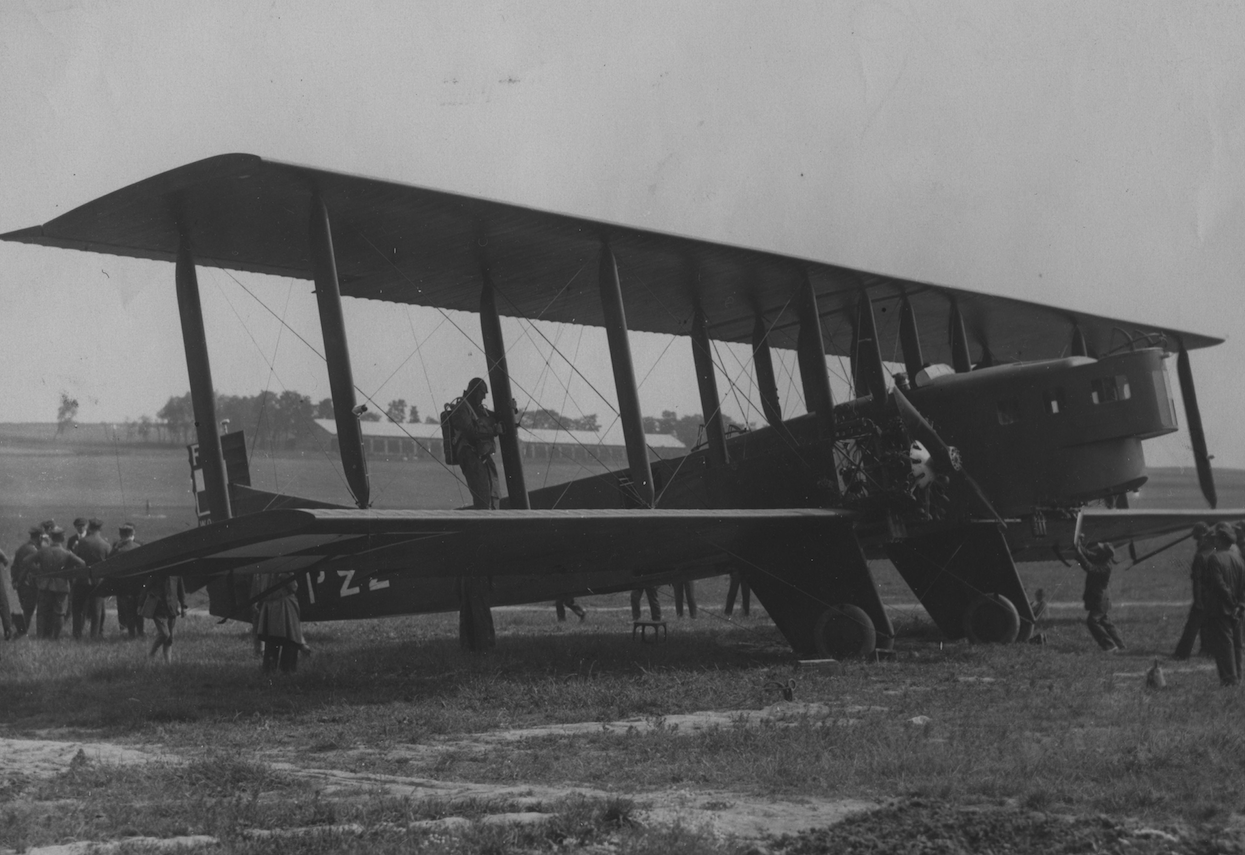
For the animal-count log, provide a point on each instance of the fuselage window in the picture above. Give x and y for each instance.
(1009, 411)
(1104, 390)
(1054, 401)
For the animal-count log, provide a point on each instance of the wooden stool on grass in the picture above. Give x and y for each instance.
(658, 627)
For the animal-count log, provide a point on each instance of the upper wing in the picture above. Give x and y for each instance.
(413, 245)
(456, 543)
(1120, 526)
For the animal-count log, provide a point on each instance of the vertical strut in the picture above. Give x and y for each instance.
(910, 341)
(624, 375)
(1197, 436)
(1079, 347)
(202, 397)
(868, 373)
(503, 406)
(763, 363)
(337, 353)
(811, 351)
(711, 405)
(961, 361)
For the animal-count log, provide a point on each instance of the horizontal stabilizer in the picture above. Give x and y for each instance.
(1120, 526)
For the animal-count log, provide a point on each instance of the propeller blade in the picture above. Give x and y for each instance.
(1205, 478)
(946, 456)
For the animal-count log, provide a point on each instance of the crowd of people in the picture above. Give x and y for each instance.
(49, 596)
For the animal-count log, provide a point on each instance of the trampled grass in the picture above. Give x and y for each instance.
(1060, 727)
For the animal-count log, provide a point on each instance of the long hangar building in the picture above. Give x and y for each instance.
(415, 440)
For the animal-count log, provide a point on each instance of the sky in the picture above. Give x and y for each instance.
(1090, 156)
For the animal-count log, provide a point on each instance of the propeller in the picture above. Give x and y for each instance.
(945, 458)
(1205, 477)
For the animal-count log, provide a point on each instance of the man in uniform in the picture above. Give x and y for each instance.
(474, 428)
(79, 532)
(1096, 560)
(51, 561)
(23, 578)
(92, 548)
(128, 592)
(1204, 545)
(1223, 592)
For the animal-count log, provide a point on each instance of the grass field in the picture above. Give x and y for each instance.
(1040, 748)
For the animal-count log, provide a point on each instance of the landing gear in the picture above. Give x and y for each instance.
(991, 619)
(844, 632)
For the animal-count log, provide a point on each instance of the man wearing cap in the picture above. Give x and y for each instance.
(23, 578)
(1223, 591)
(473, 430)
(79, 532)
(1095, 560)
(1203, 546)
(92, 548)
(52, 560)
(128, 592)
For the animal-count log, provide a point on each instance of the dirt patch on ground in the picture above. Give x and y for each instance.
(722, 812)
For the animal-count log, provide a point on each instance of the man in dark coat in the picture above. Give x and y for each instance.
(278, 623)
(1203, 546)
(1223, 590)
(92, 548)
(128, 592)
(1096, 560)
(6, 616)
(164, 600)
(51, 562)
(23, 578)
(474, 428)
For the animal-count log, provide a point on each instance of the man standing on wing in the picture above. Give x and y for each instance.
(474, 428)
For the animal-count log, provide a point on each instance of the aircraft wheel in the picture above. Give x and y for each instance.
(991, 619)
(844, 632)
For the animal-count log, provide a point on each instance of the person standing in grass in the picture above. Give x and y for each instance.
(685, 591)
(23, 579)
(1223, 590)
(561, 604)
(1096, 560)
(52, 561)
(1204, 545)
(128, 591)
(739, 587)
(164, 600)
(6, 616)
(92, 548)
(278, 624)
(654, 606)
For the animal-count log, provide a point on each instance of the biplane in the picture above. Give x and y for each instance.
(1004, 421)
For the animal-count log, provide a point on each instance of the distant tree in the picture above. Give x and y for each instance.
(66, 413)
(396, 411)
(144, 428)
(324, 409)
(178, 417)
(370, 416)
(413, 418)
(432, 420)
(588, 423)
(544, 420)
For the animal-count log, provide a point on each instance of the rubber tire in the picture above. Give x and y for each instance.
(844, 632)
(991, 619)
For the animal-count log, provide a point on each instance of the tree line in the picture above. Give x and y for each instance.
(277, 421)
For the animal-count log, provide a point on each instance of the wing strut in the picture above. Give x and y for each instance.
(337, 353)
(910, 341)
(624, 375)
(503, 398)
(868, 373)
(961, 359)
(202, 398)
(811, 352)
(1197, 437)
(711, 404)
(763, 364)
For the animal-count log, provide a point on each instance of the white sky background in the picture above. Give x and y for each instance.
(1086, 155)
